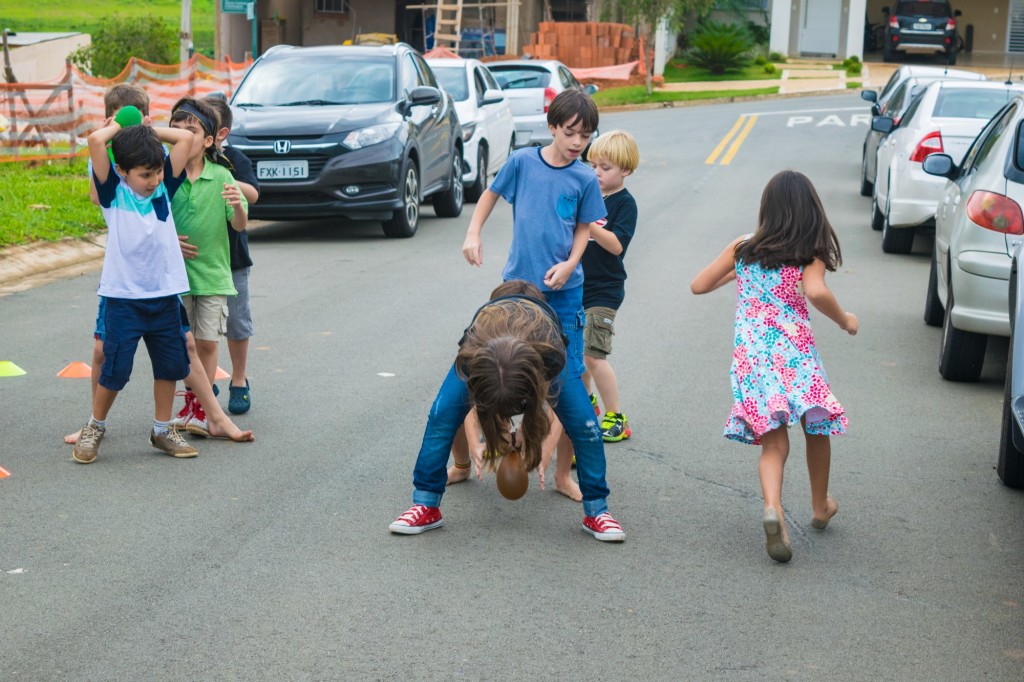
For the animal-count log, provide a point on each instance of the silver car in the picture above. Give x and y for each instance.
(1010, 463)
(530, 85)
(977, 224)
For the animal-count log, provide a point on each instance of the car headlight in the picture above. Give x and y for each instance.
(467, 131)
(364, 137)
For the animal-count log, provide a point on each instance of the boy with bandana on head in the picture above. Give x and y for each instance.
(207, 197)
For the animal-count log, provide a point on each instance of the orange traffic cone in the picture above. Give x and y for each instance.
(221, 374)
(76, 370)
(4, 473)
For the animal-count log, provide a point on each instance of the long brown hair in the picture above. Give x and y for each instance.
(792, 228)
(502, 361)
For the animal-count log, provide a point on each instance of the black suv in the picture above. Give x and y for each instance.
(921, 26)
(355, 131)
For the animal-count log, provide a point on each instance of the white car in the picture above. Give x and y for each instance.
(488, 128)
(892, 101)
(531, 84)
(978, 223)
(944, 118)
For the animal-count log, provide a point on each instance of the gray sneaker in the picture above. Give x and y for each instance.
(88, 445)
(173, 443)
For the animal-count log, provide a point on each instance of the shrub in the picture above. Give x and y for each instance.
(720, 47)
(118, 39)
(777, 58)
(769, 68)
(760, 60)
(853, 70)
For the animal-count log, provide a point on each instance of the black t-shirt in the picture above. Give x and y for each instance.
(241, 169)
(604, 275)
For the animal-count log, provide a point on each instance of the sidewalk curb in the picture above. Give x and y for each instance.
(724, 100)
(18, 263)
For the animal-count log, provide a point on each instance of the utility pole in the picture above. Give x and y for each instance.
(185, 34)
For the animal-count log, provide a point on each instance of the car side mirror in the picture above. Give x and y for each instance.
(869, 95)
(423, 96)
(492, 96)
(882, 124)
(590, 89)
(939, 164)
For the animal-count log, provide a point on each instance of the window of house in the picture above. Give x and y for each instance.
(333, 6)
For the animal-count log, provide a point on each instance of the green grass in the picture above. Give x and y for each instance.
(45, 201)
(678, 72)
(852, 85)
(75, 15)
(637, 94)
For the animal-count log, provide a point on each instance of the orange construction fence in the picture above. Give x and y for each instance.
(52, 119)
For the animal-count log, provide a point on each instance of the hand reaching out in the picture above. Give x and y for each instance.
(852, 324)
(189, 251)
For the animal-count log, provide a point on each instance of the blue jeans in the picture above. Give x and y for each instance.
(571, 404)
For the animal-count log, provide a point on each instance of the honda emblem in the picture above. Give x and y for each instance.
(282, 146)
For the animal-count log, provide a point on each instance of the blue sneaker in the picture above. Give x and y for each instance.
(240, 400)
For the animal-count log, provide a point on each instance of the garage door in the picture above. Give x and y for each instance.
(1015, 34)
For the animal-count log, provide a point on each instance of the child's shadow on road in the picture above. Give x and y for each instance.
(327, 230)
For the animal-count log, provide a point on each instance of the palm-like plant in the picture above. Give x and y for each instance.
(720, 47)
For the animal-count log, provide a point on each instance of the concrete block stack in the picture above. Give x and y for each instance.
(582, 45)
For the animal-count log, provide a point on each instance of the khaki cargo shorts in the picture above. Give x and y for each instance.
(207, 316)
(597, 335)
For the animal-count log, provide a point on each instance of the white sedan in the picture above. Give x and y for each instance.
(488, 128)
(944, 118)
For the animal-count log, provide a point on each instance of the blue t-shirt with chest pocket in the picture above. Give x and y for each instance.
(547, 203)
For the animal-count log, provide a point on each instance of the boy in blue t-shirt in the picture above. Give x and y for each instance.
(554, 199)
(143, 275)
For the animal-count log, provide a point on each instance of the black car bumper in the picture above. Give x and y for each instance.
(904, 40)
(357, 184)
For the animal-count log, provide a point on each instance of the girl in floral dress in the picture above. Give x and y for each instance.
(777, 376)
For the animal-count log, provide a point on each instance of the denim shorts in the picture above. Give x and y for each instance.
(158, 321)
(101, 323)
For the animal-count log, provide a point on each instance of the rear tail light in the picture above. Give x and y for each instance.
(929, 144)
(549, 94)
(995, 212)
(894, 22)
(951, 25)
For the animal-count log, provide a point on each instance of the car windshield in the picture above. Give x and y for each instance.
(924, 9)
(965, 103)
(453, 79)
(298, 81)
(517, 77)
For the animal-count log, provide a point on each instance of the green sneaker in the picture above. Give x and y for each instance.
(593, 401)
(615, 427)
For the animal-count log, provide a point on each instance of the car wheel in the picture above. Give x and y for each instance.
(933, 312)
(876, 213)
(895, 239)
(962, 352)
(951, 58)
(448, 204)
(865, 186)
(1010, 465)
(888, 55)
(405, 220)
(476, 190)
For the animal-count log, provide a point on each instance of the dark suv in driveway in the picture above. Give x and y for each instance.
(355, 131)
(921, 26)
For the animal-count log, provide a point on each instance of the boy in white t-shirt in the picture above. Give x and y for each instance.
(143, 275)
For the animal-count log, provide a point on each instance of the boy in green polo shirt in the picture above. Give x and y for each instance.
(200, 207)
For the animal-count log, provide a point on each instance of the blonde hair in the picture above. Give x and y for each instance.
(615, 146)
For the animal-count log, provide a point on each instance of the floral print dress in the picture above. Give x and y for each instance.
(777, 375)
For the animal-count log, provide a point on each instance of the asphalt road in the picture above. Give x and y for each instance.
(273, 560)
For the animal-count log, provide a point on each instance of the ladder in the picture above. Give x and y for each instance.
(448, 23)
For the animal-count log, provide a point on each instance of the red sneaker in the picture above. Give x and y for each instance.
(185, 414)
(197, 424)
(417, 520)
(604, 528)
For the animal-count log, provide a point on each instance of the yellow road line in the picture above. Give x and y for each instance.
(727, 159)
(725, 140)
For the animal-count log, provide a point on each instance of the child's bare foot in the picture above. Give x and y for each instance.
(569, 488)
(458, 474)
(72, 438)
(831, 509)
(225, 428)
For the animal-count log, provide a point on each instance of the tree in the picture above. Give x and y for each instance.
(648, 14)
(118, 39)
